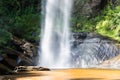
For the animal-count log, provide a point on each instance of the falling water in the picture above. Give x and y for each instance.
(55, 43)
(55, 47)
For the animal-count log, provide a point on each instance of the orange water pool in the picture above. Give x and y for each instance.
(67, 74)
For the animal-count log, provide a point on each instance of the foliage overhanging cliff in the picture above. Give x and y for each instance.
(101, 16)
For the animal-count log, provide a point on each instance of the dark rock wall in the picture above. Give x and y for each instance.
(24, 54)
(90, 8)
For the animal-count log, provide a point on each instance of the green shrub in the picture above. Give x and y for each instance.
(106, 23)
(110, 25)
(4, 37)
(20, 18)
(26, 26)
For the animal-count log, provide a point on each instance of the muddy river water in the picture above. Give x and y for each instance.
(66, 74)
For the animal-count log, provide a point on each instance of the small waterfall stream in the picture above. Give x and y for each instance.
(55, 46)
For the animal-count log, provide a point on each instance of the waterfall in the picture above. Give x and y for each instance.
(58, 50)
(55, 45)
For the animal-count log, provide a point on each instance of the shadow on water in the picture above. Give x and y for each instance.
(87, 79)
(22, 75)
(67, 79)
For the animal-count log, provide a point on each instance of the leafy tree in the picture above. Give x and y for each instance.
(110, 24)
(21, 18)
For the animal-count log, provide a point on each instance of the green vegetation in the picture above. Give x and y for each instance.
(106, 23)
(110, 24)
(4, 36)
(83, 24)
(19, 18)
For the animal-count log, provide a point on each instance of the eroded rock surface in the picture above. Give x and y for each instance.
(24, 53)
(113, 63)
(90, 49)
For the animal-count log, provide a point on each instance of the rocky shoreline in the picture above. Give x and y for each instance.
(28, 55)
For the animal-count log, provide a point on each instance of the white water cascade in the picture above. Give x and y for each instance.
(55, 46)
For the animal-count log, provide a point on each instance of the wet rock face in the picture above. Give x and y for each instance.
(25, 54)
(90, 8)
(26, 47)
(113, 63)
(8, 62)
(87, 8)
(91, 49)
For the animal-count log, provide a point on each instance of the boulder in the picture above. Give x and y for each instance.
(30, 68)
(113, 63)
(89, 49)
(26, 47)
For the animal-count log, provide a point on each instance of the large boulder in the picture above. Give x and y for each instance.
(24, 53)
(113, 63)
(29, 68)
(90, 49)
(28, 49)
